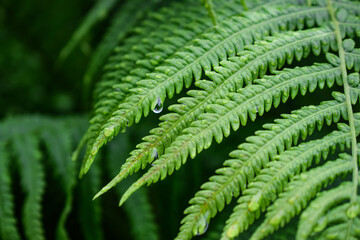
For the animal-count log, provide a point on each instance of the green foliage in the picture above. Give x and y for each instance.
(278, 79)
(256, 57)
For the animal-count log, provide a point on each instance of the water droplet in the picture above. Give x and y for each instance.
(155, 153)
(257, 109)
(159, 107)
(202, 225)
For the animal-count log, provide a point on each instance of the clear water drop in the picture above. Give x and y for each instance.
(159, 107)
(155, 153)
(202, 225)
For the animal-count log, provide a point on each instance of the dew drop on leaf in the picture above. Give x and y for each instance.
(159, 107)
(202, 225)
(155, 153)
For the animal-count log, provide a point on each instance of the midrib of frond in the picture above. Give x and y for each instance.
(354, 147)
(191, 140)
(271, 143)
(121, 122)
(278, 177)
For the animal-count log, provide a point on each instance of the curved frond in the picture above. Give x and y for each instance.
(222, 41)
(258, 150)
(148, 49)
(230, 77)
(221, 116)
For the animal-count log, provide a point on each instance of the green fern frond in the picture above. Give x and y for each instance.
(33, 183)
(232, 111)
(148, 50)
(231, 76)
(256, 153)
(236, 72)
(299, 192)
(8, 223)
(204, 53)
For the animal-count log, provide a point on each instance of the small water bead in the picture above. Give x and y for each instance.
(155, 153)
(202, 225)
(159, 106)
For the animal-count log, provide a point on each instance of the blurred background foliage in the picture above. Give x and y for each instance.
(34, 81)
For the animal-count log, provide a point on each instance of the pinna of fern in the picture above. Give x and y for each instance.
(238, 74)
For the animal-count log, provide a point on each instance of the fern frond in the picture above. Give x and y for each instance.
(8, 228)
(97, 13)
(148, 50)
(272, 179)
(230, 112)
(256, 153)
(26, 148)
(299, 192)
(313, 218)
(204, 53)
(231, 76)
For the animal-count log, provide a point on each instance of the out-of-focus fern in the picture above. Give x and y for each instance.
(24, 136)
(240, 61)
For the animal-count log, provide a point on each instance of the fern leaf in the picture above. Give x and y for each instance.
(32, 182)
(254, 154)
(204, 53)
(243, 69)
(313, 218)
(8, 228)
(272, 179)
(146, 45)
(299, 192)
(97, 13)
(216, 123)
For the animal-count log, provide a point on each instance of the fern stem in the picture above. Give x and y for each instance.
(210, 8)
(349, 108)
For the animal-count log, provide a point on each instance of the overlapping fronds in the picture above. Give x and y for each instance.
(220, 42)
(245, 66)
